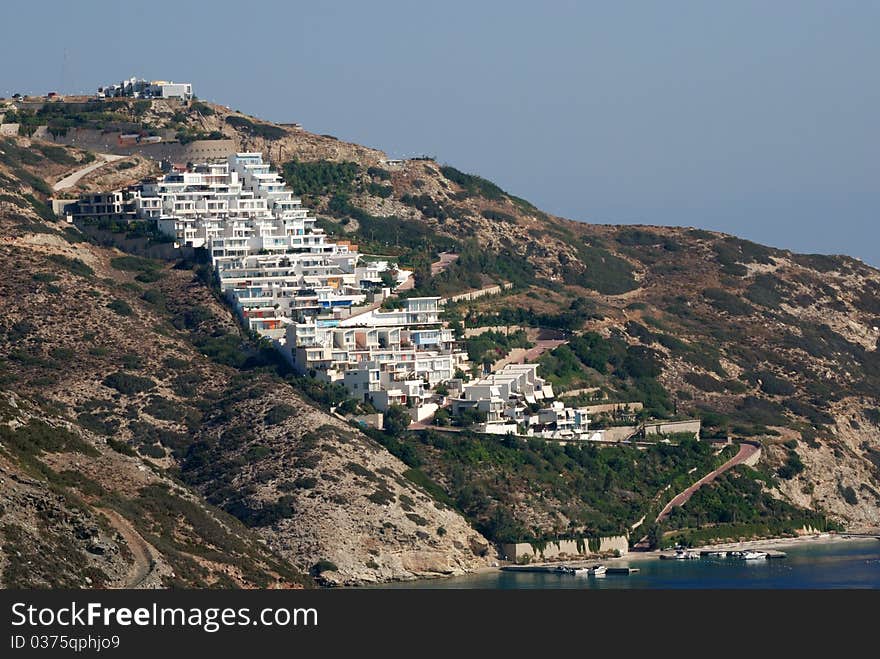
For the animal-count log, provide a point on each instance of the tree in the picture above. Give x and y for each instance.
(397, 420)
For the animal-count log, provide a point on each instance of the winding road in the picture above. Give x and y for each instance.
(745, 452)
(72, 179)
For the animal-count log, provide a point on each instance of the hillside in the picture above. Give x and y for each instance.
(759, 342)
(139, 354)
(113, 367)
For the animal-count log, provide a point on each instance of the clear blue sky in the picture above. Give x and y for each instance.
(760, 119)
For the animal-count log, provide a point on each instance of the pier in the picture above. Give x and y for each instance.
(564, 569)
(711, 553)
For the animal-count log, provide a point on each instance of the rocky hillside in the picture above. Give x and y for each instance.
(757, 341)
(139, 355)
(117, 374)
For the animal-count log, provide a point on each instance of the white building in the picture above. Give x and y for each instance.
(291, 283)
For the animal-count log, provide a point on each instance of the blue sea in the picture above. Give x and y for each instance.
(815, 565)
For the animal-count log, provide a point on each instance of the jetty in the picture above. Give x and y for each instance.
(564, 569)
(711, 553)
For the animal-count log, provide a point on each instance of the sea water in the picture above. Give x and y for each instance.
(812, 564)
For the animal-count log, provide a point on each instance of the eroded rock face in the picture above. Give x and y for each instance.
(327, 493)
(839, 476)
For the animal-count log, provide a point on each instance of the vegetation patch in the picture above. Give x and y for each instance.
(128, 384)
(321, 177)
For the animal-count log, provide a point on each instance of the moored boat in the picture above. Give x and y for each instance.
(755, 555)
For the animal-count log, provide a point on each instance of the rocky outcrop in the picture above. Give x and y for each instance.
(328, 498)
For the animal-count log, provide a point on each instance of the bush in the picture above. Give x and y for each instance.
(120, 307)
(266, 131)
(120, 447)
(128, 384)
(792, 467)
(498, 216)
(601, 271)
(321, 177)
(641, 362)
(74, 266)
(849, 495)
(135, 264)
(724, 301)
(378, 190)
(163, 409)
(472, 184)
(704, 382)
(279, 413)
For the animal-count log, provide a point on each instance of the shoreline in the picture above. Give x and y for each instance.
(777, 542)
(774, 542)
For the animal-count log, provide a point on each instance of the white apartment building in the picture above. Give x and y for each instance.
(290, 283)
(502, 396)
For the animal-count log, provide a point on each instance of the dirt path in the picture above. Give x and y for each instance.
(745, 452)
(144, 563)
(72, 179)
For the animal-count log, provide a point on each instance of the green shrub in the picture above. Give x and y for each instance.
(378, 190)
(601, 271)
(120, 307)
(128, 384)
(279, 413)
(321, 177)
(724, 301)
(472, 184)
(849, 495)
(379, 173)
(120, 447)
(164, 409)
(792, 467)
(266, 131)
(72, 265)
(498, 216)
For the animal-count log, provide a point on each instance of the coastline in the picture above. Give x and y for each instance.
(777, 542)
(633, 559)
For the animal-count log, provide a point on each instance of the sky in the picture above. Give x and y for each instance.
(760, 119)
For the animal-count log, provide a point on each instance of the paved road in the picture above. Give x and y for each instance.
(72, 179)
(745, 452)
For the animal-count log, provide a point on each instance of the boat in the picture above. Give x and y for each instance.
(598, 570)
(582, 572)
(754, 555)
(717, 554)
(686, 554)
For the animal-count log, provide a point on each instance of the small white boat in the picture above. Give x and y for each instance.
(582, 572)
(717, 554)
(598, 570)
(686, 554)
(755, 555)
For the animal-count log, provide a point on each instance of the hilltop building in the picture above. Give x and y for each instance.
(140, 88)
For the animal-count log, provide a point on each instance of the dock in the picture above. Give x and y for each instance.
(708, 553)
(562, 568)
